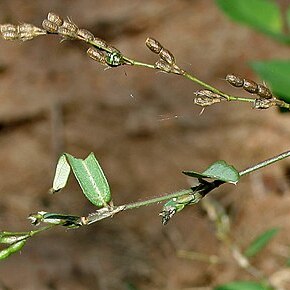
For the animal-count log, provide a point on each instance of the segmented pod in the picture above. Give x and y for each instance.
(166, 55)
(250, 86)
(85, 35)
(50, 26)
(97, 55)
(54, 18)
(68, 24)
(153, 45)
(10, 35)
(264, 92)
(235, 80)
(8, 27)
(163, 65)
(100, 43)
(68, 29)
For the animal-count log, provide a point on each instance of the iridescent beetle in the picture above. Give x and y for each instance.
(114, 59)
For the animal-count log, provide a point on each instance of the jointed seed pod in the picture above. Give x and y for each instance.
(28, 31)
(85, 35)
(263, 103)
(54, 18)
(206, 98)
(167, 56)
(250, 86)
(235, 80)
(97, 55)
(153, 45)
(8, 27)
(100, 43)
(163, 65)
(264, 92)
(50, 26)
(68, 29)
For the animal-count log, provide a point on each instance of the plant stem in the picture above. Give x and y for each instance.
(265, 163)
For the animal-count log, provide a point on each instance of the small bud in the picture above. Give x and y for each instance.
(100, 43)
(163, 65)
(264, 92)
(49, 26)
(167, 56)
(263, 103)
(235, 80)
(206, 98)
(97, 55)
(54, 18)
(115, 59)
(85, 35)
(153, 45)
(250, 86)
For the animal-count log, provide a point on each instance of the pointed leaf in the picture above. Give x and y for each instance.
(260, 242)
(91, 178)
(61, 174)
(262, 15)
(242, 285)
(219, 170)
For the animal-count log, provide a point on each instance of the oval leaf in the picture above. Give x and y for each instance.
(260, 242)
(61, 174)
(219, 170)
(242, 285)
(91, 179)
(262, 15)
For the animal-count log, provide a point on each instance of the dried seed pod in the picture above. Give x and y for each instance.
(264, 92)
(153, 45)
(250, 86)
(263, 103)
(54, 18)
(163, 65)
(8, 27)
(68, 29)
(234, 80)
(97, 55)
(167, 56)
(114, 59)
(10, 35)
(84, 34)
(28, 31)
(206, 98)
(176, 69)
(50, 26)
(100, 43)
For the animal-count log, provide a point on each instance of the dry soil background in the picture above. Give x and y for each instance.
(54, 98)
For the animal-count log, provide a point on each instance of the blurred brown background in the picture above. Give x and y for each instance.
(54, 98)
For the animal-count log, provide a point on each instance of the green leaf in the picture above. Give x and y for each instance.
(61, 174)
(219, 170)
(242, 285)
(260, 242)
(262, 15)
(91, 179)
(276, 73)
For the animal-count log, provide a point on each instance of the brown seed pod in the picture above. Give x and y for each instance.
(250, 86)
(85, 35)
(167, 56)
(8, 27)
(163, 65)
(234, 80)
(28, 31)
(66, 33)
(49, 26)
(100, 43)
(68, 24)
(10, 35)
(54, 18)
(206, 98)
(264, 92)
(153, 45)
(263, 103)
(97, 55)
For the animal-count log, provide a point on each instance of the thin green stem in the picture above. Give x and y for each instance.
(265, 163)
(157, 199)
